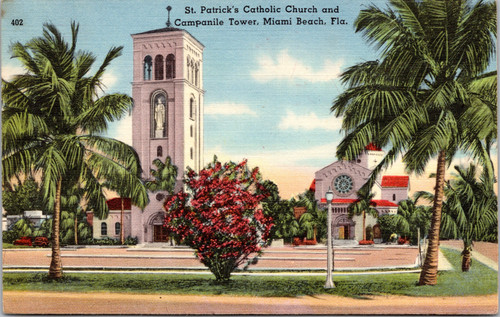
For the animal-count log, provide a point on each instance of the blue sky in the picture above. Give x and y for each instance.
(268, 88)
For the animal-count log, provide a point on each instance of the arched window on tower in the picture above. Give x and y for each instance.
(394, 197)
(158, 67)
(192, 108)
(148, 65)
(159, 151)
(159, 108)
(188, 69)
(192, 72)
(117, 228)
(197, 74)
(170, 66)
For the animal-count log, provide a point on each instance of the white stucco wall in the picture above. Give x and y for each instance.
(111, 220)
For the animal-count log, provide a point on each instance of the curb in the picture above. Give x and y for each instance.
(203, 268)
(206, 272)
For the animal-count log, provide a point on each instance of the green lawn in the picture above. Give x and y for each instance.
(480, 280)
(11, 246)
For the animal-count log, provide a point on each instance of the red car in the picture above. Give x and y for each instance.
(41, 242)
(23, 241)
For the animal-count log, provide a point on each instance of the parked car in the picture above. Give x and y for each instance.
(41, 242)
(23, 241)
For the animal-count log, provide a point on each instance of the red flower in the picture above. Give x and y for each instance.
(218, 215)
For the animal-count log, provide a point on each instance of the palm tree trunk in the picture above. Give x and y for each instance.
(466, 259)
(55, 270)
(122, 234)
(76, 228)
(428, 276)
(364, 223)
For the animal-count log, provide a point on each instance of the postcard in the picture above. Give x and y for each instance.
(249, 157)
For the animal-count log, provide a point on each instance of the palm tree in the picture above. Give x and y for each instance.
(164, 179)
(470, 208)
(362, 206)
(50, 120)
(71, 229)
(165, 176)
(420, 99)
(412, 217)
(70, 200)
(313, 221)
(286, 226)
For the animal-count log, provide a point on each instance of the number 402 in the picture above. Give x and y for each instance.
(17, 22)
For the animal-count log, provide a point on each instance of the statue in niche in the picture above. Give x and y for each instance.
(159, 117)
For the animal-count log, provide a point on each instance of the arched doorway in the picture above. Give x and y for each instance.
(343, 228)
(160, 233)
(377, 233)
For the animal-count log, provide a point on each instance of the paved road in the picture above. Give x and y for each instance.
(133, 304)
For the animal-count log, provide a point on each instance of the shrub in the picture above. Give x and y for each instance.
(219, 217)
(366, 242)
(369, 233)
(9, 236)
(130, 240)
(402, 240)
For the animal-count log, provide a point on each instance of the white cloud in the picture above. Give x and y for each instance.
(109, 79)
(286, 67)
(8, 71)
(229, 109)
(308, 122)
(122, 130)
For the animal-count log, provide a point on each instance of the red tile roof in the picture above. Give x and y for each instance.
(383, 203)
(372, 147)
(395, 181)
(313, 186)
(375, 203)
(116, 204)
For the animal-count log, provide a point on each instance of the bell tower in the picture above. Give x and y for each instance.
(167, 118)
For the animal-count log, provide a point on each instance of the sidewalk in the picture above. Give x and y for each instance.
(158, 304)
(490, 250)
(273, 259)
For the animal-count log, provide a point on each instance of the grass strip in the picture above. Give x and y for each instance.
(481, 280)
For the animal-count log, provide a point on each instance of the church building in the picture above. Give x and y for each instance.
(345, 178)
(167, 120)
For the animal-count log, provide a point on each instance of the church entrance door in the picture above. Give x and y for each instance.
(160, 234)
(346, 232)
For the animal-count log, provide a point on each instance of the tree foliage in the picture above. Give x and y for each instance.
(362, 206)
(470, 211)
(219, 215)
(409, 219)
(164, 176)
(428, 95)
(51, 120)
(24, 196)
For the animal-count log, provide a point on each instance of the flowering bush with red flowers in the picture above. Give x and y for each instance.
(403, 240)
(219, 215)
(366, 242)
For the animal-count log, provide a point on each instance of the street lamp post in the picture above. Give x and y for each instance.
(329, 282)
